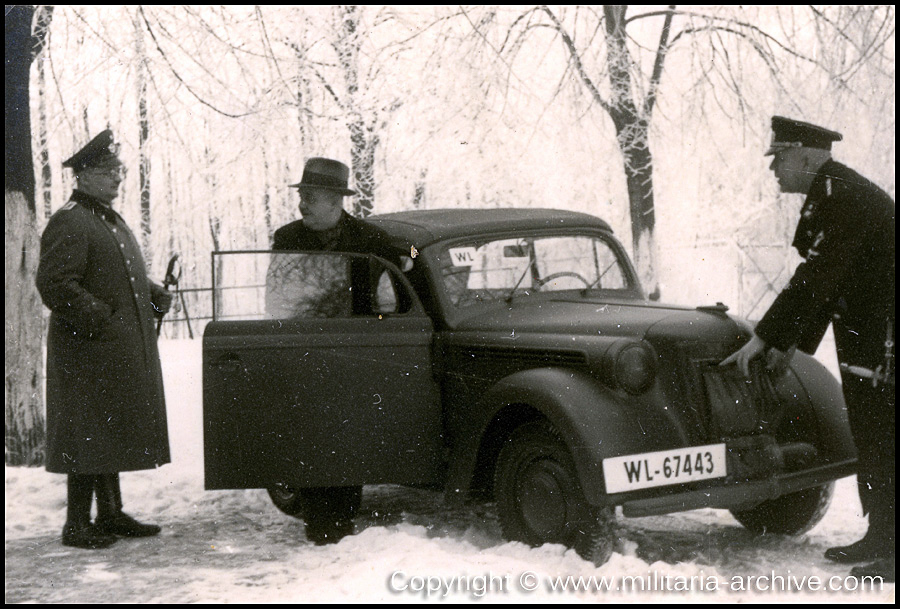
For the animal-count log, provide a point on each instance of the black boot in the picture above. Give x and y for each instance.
(869, 548)
(883, 568)
(78, 531)
(110, 517)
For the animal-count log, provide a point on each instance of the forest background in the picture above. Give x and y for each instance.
(652, 117)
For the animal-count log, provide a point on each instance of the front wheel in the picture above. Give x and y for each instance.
(790, 514)
(540, 499)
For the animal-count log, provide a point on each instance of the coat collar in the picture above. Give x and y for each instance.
(97, 206)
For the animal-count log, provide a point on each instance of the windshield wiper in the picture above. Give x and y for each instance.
(509, 296)
(602, 275)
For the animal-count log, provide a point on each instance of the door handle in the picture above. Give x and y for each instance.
(230, 362)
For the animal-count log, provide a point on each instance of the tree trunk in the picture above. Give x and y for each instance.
(633, 134)
(24, 443)
(362, 155)
(43, 152)
(143, 145)
(363, 140)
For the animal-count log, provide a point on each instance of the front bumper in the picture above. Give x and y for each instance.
(732, 494)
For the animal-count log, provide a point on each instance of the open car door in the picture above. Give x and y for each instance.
(317, 372)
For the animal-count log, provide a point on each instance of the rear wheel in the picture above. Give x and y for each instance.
(788, 515)
(540, 499)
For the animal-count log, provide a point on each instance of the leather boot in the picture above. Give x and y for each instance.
(883, 568)
(869, 548)
(110, 517)
(78, 531)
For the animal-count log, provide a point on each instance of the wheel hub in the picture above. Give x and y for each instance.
(542, 499)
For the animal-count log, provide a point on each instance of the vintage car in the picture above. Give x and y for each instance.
(518, 360)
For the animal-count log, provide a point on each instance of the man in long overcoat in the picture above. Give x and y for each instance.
(105, 404)
(846, 237)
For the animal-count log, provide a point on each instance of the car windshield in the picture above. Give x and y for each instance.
(482, 272)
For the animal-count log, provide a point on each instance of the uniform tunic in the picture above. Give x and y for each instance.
(846, 237)
(105, 403)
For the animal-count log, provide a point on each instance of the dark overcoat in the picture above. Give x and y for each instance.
(105, 404)
(846, 237)
(354, 236)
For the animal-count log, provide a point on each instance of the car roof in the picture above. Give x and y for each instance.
(424, 227)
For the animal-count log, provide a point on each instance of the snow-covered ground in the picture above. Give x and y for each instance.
(234, 546)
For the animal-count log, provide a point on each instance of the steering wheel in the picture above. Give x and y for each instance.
(545, 280)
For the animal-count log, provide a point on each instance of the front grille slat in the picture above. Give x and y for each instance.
(719, 403)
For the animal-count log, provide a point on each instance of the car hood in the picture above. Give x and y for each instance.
(626, 318)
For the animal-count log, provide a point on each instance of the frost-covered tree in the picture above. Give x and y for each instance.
(24, 377)
(623, 58)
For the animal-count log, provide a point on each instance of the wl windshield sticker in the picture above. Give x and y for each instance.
(462, 256)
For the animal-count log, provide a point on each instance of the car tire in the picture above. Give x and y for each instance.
(287, 499)
(540, 499)
(790, 514)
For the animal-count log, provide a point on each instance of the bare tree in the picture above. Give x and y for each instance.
(143, 138)
(24, 379)
(615, 58)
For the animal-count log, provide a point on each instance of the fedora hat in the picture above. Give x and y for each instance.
(326, 174)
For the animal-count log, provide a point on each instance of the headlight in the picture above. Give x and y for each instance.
(635, 368)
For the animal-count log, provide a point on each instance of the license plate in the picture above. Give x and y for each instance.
(647, 470)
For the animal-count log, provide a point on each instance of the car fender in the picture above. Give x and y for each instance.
(826, 400)
(592, 419)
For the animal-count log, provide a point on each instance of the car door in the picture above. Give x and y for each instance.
(317, 372)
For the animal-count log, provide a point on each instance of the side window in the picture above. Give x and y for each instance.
(304, 285)
(308, 285)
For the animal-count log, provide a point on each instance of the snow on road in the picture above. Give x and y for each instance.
(234, 546)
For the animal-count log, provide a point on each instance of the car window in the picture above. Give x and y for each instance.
(488, 271)
(300, 285)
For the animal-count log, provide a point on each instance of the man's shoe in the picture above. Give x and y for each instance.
(883, 568)
(865, 550)
(322, 534)
(86, 536)
(124, 525)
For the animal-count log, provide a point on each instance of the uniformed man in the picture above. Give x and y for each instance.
(105, 405)
(846, 237)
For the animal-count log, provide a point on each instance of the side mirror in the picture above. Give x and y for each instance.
(654, 295)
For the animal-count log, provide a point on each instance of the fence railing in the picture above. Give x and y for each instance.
(191, 311)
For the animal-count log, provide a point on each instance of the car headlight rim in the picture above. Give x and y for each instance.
(635, 368)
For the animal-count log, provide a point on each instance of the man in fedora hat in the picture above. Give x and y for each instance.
(105, 406)
(324, 226)
(846, 237)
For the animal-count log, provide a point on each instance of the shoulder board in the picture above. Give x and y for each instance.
(69, 206)
(828, 186)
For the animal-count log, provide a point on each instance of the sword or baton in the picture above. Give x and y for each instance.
(879, 375)
(171, 279)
